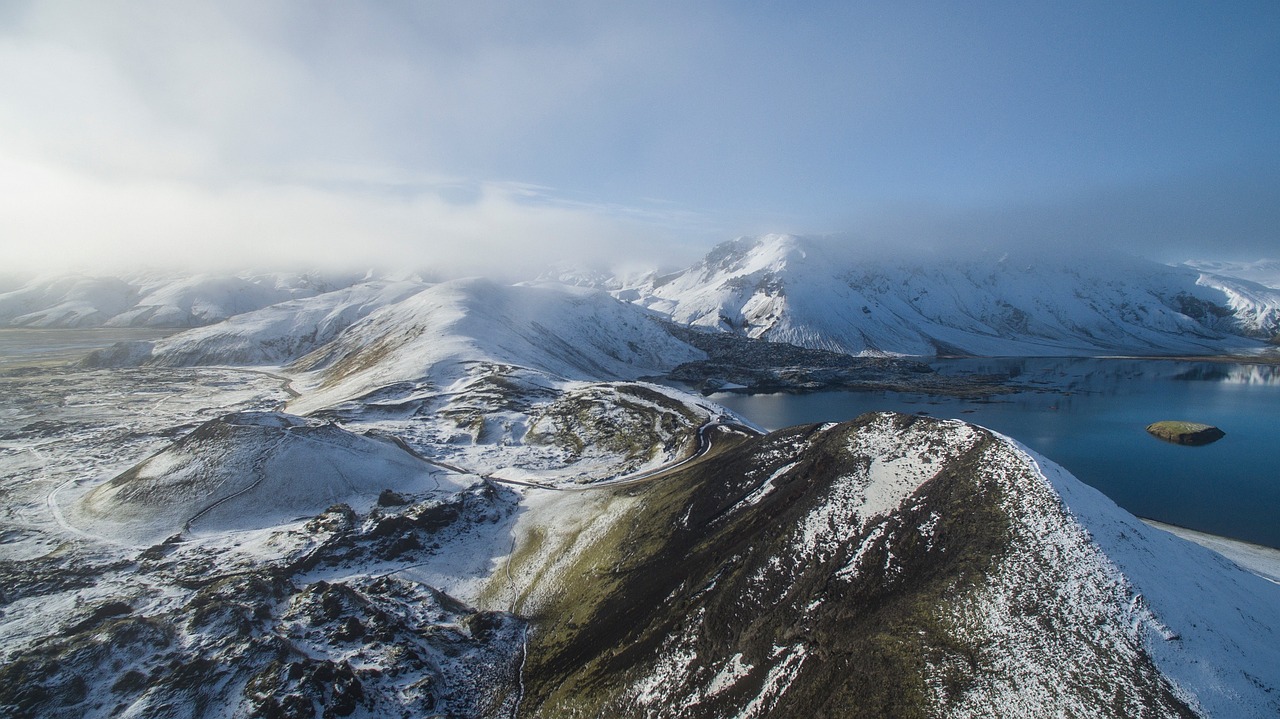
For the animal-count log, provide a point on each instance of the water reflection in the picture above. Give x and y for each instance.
(1099, 374)
(1254, 374)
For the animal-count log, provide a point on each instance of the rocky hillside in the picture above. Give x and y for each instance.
(891, 566)
(816, 293)
(307, 619)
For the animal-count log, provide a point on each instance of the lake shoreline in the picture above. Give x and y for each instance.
(1259, 559)
(1090, 415)
(1267, 357)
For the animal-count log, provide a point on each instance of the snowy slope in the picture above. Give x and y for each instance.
(68, 301)
(568, 333)
(892, 566)
(1213, 628)
(154, 300)
(275, 334)
(1263, 272)
(247, 471)
(814, 293)
(1255, 306)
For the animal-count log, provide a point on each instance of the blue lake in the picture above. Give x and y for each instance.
(1089, 415)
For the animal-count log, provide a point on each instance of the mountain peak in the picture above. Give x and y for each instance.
(820, 294)
(750, 254)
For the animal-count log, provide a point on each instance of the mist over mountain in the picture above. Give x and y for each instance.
(817, 292)
(156, 300)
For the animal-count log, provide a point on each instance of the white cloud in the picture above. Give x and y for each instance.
(58, 218)
(247, 131)
(172, 133)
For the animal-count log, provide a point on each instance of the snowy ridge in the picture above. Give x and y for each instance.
(159, 301)
(275, 334)
(568, 333)
(815, 293)
(1255, 306)
(1263, 272)
(1213, 628)
(904, 566)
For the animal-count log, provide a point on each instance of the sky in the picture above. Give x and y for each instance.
(492, 135)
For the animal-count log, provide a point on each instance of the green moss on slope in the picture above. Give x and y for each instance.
(701, 604)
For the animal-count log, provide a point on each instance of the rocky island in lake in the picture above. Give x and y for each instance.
(1192, 433)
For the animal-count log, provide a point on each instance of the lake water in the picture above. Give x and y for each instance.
(1089, 415)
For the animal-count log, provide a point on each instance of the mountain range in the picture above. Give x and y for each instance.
(159, 300)
(814, 292)
(468, 498)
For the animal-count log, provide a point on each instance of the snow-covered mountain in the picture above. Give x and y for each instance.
(433, 336)
(1256, 307)
(67, 301)
(1263, 272)
(889, 566)
(275, 334)
(160, 301)
(814, 293)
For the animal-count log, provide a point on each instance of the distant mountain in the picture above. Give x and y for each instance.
(892, 566)
(160, 301)
(1263, 272)
(435, 335)
(1256, 306)
(815, 293)
(71, 301)
(274, 334)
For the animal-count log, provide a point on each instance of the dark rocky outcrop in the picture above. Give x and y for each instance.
(1189, 433)
(742, 364)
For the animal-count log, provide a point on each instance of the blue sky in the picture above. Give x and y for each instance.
(450, 134)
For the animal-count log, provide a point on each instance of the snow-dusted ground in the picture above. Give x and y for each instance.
(1214, 628)
(74, 568)
(1262, 561)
